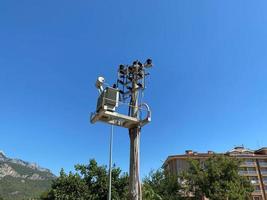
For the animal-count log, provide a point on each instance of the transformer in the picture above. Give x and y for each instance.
(108, 100)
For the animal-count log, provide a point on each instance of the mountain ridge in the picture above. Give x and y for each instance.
(32, 165)
(20, 179)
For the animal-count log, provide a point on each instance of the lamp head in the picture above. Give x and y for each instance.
(99, 84)
(148, 63)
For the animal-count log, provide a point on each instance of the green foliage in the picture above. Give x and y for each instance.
(69, 186)
(89, 182)
(160, 185)
(12, 188)
(216, 178)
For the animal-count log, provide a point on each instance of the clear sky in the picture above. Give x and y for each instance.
(207, 90)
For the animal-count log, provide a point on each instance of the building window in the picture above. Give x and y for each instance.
(257, 198)
(247, 170)
(264, 170)
(257, 188)
(263, 163)
(249, 162)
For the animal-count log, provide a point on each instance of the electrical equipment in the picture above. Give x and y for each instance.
(131, 79)
(108, 99)
(99, 84)
(127, 74)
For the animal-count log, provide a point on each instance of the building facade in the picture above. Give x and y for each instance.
(254, 166)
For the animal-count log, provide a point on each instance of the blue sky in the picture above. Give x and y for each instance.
(207, 90)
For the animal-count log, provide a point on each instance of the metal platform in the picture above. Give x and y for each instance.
(114, 118)
(117, 119)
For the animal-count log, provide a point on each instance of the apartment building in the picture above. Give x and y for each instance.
(254, 166)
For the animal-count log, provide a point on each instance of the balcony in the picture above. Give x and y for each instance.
(248, 164)
(263, 164)
(248, 173)
(257, 189)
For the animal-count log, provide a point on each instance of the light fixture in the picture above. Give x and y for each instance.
(99, 84)
(148, 63)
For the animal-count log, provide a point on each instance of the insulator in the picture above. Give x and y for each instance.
(130, 78)
(140, 74)
(129, 88)
(121, 82)
(135, 62)
(140, 85)
(122, 72)
(121, 67)
(149, 61)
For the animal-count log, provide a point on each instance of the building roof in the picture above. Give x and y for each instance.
(239, 151)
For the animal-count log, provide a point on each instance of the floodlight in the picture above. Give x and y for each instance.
(99, 84)
(148, 63)
(121, 67)
(135, 62)
(130, 68)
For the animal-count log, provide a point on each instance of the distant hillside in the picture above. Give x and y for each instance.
(22, 180)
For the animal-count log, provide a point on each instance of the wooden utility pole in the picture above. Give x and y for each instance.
(135, 192)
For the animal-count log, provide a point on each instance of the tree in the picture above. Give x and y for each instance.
(90, 182)
(96, 179)
(216, 178)
(160, 185)
(67, 187)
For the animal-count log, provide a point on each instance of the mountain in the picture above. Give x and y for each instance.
(20, 180)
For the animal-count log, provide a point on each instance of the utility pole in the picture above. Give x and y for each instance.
(130, 82)
(135, 192)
